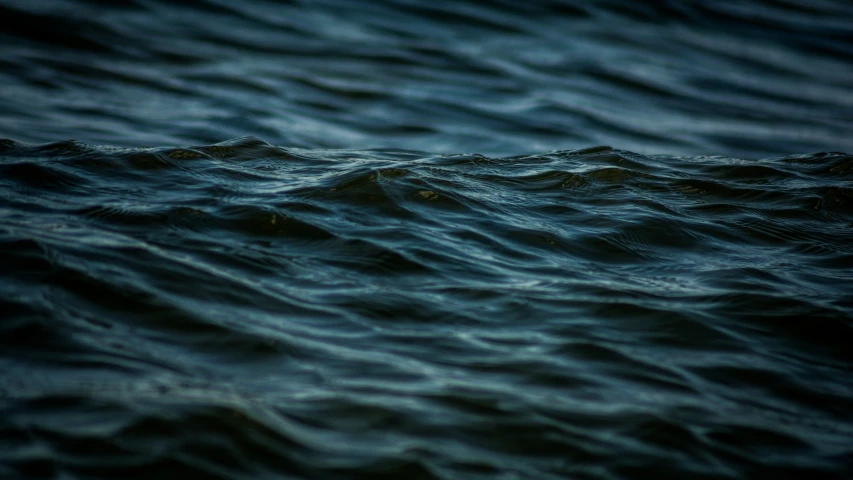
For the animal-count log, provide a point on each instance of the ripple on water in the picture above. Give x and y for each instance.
(250, 310)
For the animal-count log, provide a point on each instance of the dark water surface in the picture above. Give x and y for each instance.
(339, 240)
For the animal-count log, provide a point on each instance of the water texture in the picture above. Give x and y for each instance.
(241, 310)
(377, 240)
(745, 79)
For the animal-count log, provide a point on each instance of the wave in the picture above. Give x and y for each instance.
(242, 309)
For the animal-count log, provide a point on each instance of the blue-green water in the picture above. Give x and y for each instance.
(329, 240)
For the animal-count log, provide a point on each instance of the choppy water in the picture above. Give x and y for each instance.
(311, 240)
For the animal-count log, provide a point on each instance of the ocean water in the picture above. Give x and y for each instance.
(426, 240)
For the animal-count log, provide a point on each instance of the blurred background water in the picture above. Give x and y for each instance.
(384, 239)
(747, 79)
